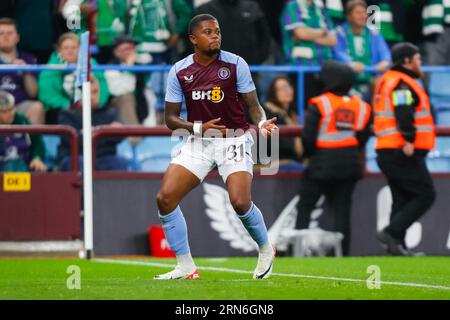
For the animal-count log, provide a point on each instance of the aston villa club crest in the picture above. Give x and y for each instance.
(224, 73)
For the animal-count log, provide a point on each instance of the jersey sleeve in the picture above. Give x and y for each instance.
(174, 93)
(244, 78)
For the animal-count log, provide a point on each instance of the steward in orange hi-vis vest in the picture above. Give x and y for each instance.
(405, 132)
(342, 118)
(396, 90)
(335, 131)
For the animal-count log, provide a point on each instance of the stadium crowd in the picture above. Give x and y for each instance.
(271, 32)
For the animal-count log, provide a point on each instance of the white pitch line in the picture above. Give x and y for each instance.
(290, 275)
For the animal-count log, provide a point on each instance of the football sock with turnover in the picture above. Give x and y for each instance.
(253, 221)
(175, 229)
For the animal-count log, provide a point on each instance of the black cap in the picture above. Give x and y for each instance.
(336, 76)
(123, 38)
(403, 50)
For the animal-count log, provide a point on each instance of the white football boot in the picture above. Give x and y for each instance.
(177, 273)
(265, 263)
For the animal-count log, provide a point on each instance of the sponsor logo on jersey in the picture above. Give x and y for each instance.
(215, 95)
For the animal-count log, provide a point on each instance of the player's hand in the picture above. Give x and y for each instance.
(268, 127)
(408, 149)
(38, 165)
(213, 126)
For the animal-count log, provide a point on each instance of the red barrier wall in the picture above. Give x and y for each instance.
(50, 210)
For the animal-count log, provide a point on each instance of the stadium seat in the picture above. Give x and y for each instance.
(439, 91)
(438, 159)
(153, 154)
(51, 143)
(127, 151)
(157, 163)
(443, 117)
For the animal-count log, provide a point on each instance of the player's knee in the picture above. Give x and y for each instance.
(241, 204)
(164, 202)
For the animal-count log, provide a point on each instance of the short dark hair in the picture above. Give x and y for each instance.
(401, 51)
(8, 22)
(195, 21)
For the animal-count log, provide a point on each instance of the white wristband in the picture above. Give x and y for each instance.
(260, 124)
(197, 128)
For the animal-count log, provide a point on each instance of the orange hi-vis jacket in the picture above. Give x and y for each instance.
(386, 131)
(342, 117)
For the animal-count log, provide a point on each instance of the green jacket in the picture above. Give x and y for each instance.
(153, 21)
(56, 88)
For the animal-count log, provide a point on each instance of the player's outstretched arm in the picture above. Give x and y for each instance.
(257, 113)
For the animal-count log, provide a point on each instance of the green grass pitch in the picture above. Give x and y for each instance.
(227, 278)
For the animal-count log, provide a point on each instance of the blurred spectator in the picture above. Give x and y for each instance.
(392, 16)
(18, 151)
(281, 104)
(106, 148)
(308, 38)
(56, 88)
(436, 29)
(243, 25)
(35, 24)
(22, 85)
(122, 84)
(359, 46)
(158, 26)
(105, 19)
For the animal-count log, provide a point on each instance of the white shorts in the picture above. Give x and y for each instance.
(230, 155)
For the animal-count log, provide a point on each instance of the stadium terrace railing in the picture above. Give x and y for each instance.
(49, 129)
(299, 70)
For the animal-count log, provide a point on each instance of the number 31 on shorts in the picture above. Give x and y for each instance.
(235, 152)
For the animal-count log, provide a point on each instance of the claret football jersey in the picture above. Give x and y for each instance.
(212, 91)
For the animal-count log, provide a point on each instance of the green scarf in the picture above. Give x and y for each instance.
(362, 55)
